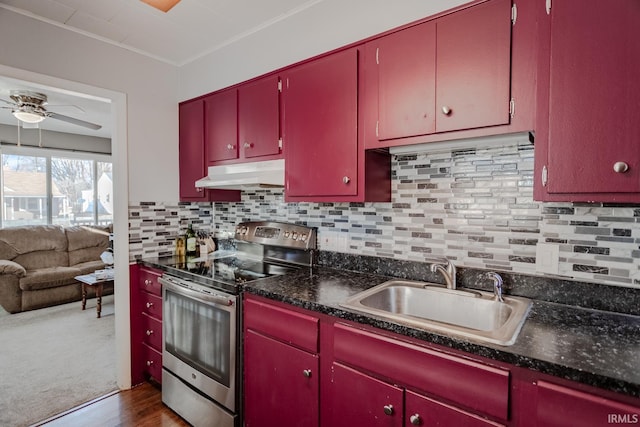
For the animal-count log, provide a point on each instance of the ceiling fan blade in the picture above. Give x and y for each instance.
(7, 102)
(74, 121)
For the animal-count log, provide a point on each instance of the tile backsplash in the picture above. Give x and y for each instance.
(475, 206)
(153, 226)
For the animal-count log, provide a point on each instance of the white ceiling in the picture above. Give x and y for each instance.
(188, 31)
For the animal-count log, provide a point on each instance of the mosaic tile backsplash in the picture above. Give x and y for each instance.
(473, 206)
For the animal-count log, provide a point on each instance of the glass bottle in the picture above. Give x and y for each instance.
(192, 249)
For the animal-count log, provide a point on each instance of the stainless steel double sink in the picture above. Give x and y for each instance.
(466, 313)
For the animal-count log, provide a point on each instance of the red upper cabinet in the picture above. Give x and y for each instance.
(407, 80)
(191, 156)
(587, 129)
(473, 62)
(451, 73)
(221, 126)
(321, 126)
(259, 118)
(191, 150)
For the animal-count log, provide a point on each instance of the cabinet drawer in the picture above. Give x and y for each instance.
(471, 384)
(151, 305)
(558, 405)
(149, 281)
(288, 326)
(429, 412)
(152, 361)
(152, 332)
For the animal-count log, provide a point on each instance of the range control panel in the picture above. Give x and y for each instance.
(277, 234)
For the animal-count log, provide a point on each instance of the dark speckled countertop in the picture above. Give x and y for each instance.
(594, 347)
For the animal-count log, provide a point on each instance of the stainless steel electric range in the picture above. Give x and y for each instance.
(202, 318)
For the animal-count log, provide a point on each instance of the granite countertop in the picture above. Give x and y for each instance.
(594, 347)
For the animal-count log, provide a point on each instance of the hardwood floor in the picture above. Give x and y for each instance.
(140, 406)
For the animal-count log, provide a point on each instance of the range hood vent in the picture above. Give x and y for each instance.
(268, 173)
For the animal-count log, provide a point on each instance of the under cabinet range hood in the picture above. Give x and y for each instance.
(268, 173)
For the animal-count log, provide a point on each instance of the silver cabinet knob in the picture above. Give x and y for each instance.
(620, 167)
(346, 179)
(446, 110)
(307, 373)
(230, 147)
(149, 304)
(149, 362)
(388, 409)
(247, 145)
(149, 332)
(415, 419)
(147, 282)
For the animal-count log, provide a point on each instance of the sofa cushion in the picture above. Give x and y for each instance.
(89, 267)
(86, 243)
(10, 267)
(48, 278)
(35, 246)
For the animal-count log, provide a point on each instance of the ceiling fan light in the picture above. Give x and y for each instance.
(163, 5)
(27, 116)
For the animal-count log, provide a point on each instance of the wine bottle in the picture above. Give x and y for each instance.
(191, 241)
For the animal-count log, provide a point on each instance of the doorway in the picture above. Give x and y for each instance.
(117, 102)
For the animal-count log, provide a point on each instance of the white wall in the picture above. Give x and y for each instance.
(150, 87)
(327, 25)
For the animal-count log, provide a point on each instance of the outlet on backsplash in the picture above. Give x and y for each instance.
(547, 258)
(333, 241)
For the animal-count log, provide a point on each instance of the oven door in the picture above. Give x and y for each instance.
(199, 338)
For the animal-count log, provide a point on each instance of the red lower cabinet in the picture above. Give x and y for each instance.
(356, 399)
(424, 411)
(281, 369)
(146, 324)
(559, 406)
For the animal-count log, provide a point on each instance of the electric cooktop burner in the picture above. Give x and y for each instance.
(260, 249)
(234, 269)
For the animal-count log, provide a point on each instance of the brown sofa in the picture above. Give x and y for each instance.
(38, 264)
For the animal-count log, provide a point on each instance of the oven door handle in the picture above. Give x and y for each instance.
(226, 301)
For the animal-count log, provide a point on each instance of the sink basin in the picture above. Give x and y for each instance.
(467, 313)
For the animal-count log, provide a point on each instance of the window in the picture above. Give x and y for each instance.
(48, 187)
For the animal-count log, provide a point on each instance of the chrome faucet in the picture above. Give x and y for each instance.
(497, 285)
(448, 271)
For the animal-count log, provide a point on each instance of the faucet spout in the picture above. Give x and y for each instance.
(497, 285)
(448, 271)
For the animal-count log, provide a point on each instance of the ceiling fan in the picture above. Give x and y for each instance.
(29, 107)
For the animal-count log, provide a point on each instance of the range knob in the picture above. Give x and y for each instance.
(287, 234)
(294, 236)
(302, 237)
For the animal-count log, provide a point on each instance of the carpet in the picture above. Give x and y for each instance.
(54, 359)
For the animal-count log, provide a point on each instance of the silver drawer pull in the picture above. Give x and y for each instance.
(149, 304)
(149, 332)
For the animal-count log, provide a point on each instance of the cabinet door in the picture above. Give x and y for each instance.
(259, 118)
(594, 97)
(473, 63)
(221, 126)
(559, 406)
(407, 82)
(191, 149)
(281, 384)
(356, 399)
(320, 126)
(423, 411)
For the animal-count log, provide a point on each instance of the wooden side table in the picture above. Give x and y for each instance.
(91, 280)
